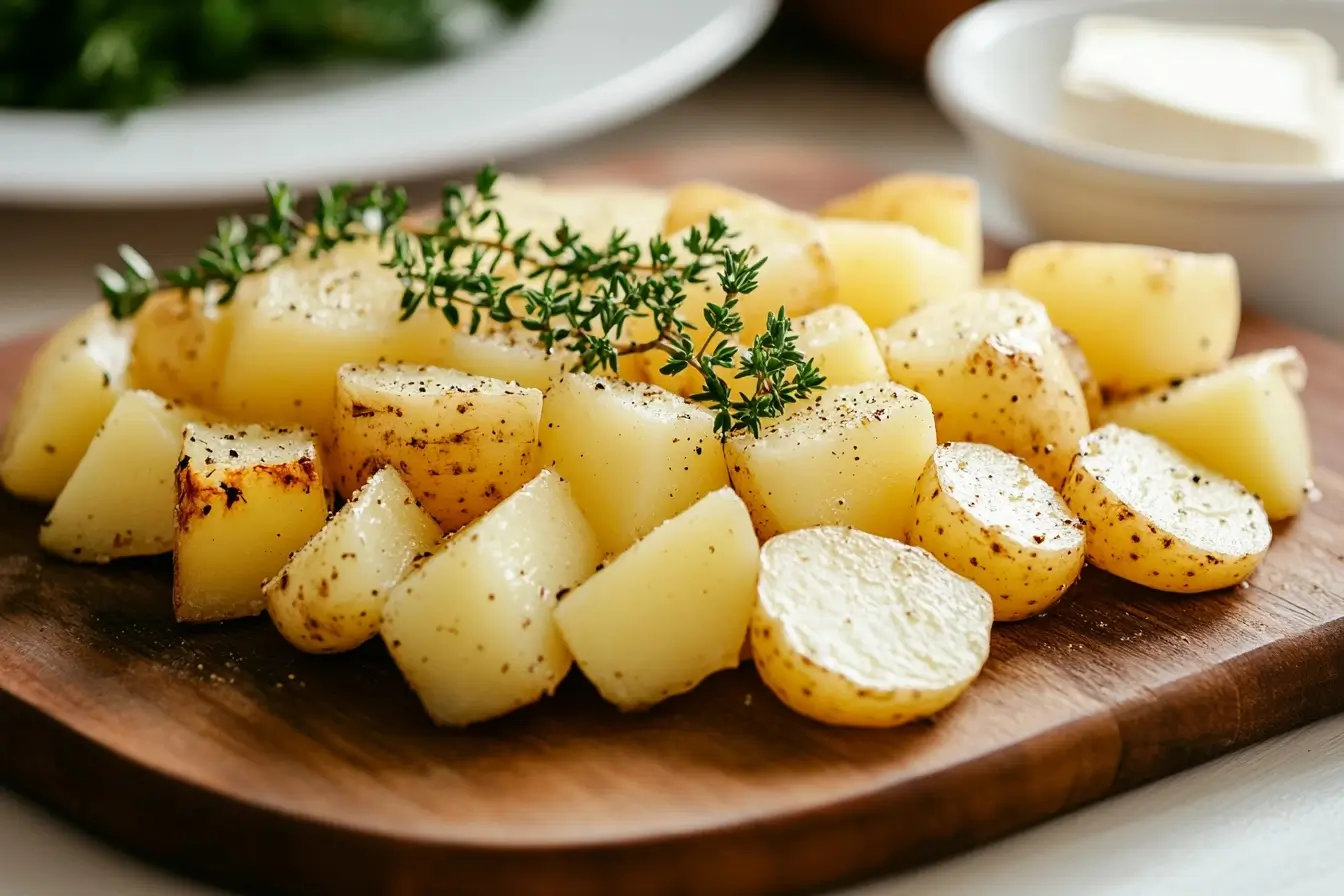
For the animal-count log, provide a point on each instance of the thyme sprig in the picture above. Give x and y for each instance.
(599, 301)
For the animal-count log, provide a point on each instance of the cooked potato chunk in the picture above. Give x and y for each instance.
(1143, 316)
(1245, 421)
(989, 365)
(670, 611)
(942, 206)
(71, 386)
(246, 498)
(473, 627)
(841, 345)
(594, 210)
(510, 354)
(851, 457)
(119, 501)
(181, 339)
(462, 443)
(296, 324)
(1082, 370)
(690, 204)
(330, 595)
(1157, 518)
(885, 270)
(987, 516)
(852, 629)
(634, 455)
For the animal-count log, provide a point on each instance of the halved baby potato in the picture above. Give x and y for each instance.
(673, 609)
(71, 386)
(472, 628)
(838, 341)
(853, 629)
(330, 595)
(1073, 353)
(1245, 421)
(1158, 518)
(986, 515)
(989, 364)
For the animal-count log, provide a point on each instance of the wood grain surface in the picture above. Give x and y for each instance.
(222, 752)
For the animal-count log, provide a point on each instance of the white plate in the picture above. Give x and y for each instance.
(571, 68)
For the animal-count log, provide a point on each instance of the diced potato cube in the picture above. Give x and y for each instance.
(942, 206)
(841, 345)
(472, 628)
(510, 354)
(119, 501)
(1158, 518)
(851, 629)
(634, 455)
(989, 364)
(594, 210)
(986, 516)
(1143, 316)
(71, 386)
(246, 498)
(671, 610)
(296, 324)
(462, 443)
(885, 270)
(850, 457)
(330, 595)
(181, 340)
(690, 204)
(1245, 421)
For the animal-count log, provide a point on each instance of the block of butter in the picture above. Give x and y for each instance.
(1207, 92)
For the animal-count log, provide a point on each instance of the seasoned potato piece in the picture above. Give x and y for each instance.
(296, 324)
(634, 455)
(670, 611)
(71, 386)
(690, 204)
(987, 516)
(594, 210)
(852, 629)
(942, 206)
(473, 627)
(842, 346)
(1157, 518)
(885, 269)
(510, 354)
(989, 365)
(330, 595)
(119, 501)
(1081, 369)
(246, 498)
(1142, 315)
(462, 443)
(181, 339)
(1245, 421)
(851, 457)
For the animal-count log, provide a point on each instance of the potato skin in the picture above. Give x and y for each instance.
(1124, 540)
(1026, 563)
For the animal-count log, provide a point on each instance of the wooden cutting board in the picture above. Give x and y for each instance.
(221, 752)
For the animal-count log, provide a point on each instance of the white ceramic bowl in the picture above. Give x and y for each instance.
(995, 73)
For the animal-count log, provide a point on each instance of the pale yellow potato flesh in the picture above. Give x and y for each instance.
(1245, 421)
(511, 354)
(886, 269)
(989, 364)
(463, 443)
(1073, 353)
(119, 501)
(247, 497)
(1142, 315)
(1158, 518)
(994, 280)
(71, 385)
(690, 204)
(593, 210)
(330, 595)
(987, 516)
(841, 345)
(852, 629)
(633, 455)
(943, 206)
(297, 323)
(670, 611)
(181, 340)
(472, 628)
(849, 457)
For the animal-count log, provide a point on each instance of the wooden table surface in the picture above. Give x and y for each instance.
(1266, 820)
